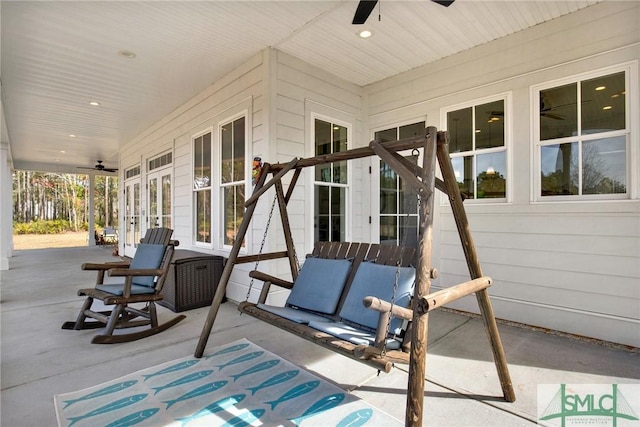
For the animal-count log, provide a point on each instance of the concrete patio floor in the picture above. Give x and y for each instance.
(40, 360)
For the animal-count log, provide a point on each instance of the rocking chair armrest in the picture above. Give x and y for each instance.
(271, 279)
(103, 266)
(136, 272)
(377, 304)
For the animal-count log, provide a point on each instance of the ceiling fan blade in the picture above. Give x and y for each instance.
(109, 170)
(445, 3)
(80, 167)
(365, 7)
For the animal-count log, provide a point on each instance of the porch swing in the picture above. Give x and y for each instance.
(368, 302)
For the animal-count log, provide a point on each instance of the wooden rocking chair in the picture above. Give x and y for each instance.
(143, 278)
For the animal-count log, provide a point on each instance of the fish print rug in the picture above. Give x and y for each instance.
(237, 384)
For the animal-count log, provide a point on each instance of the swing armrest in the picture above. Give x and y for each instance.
(267, 278)
(375, 303)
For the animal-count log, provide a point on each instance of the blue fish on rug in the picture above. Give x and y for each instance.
(135, 418)
(187, 379)
(245, 419)
(217, 406)
(113, 406)
(276, 379)
(231, 349)
(240, 359)
(256, 368)
(324, 404)
(102, 392)
(293, 393)
(207, 388)
(356, 419)
(178, 367)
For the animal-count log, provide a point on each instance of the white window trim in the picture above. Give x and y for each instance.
(310, 152)
(194, 214)
(507, 97)
(633, 144)
(218, 217)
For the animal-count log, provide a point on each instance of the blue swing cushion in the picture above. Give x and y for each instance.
(319, 285)
(377, 280)
(148, 256)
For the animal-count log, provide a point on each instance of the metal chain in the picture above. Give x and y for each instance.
(393, 299)
(264, 239)
(414, 153)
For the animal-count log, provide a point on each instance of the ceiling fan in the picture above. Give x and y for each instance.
(365, 7)
(100, 167)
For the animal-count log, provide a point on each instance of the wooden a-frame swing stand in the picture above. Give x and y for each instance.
(423, 181)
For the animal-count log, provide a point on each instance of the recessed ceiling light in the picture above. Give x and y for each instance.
(72, 135)
(607, 107)
(62, 151)
(601, 88)
(365, 34)
(94, 103)
(127, 54)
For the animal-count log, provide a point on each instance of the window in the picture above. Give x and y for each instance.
(478, 148)
(582, 138)
(330, 182)
(202, 187)
(398, 213)
(232, 180)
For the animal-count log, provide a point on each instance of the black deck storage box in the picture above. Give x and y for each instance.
(192, 280)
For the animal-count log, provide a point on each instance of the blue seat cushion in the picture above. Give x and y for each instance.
(377, 280)
(351, 334)
(293, 314)
(320, 284)
(147, 256)
(119, 289)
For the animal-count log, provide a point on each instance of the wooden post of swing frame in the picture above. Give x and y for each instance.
(228, 268)
(473, 264)
(418, 358)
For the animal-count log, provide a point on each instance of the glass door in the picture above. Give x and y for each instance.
(159, 199)
(131, 217)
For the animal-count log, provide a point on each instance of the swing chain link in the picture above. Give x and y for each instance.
(393, 299)
(264, 239)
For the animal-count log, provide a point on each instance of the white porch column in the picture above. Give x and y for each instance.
(92, 211)
(6, 206)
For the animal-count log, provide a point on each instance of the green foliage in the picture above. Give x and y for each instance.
(42, 227)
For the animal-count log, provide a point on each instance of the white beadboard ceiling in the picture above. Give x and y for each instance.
(57, 56)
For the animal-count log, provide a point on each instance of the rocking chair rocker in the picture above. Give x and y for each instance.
(143, 281)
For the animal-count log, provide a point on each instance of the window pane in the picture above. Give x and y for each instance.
(203, 216)
(414, 129)
(603, 104)
(489, 128)
(463, 169)
(322, 213)
(388, 230)
(559, 174)
(408, 231)
(460, 127)
(238, 149)
(166, 202)
(233, 199)
(604, 166)
(559, 112)
(339, 145)
(202, 161)
(226, 138)
(153, 198)
(386, 135)
(492, 172)
(388, 189)
(323, 146)
(338, 216)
